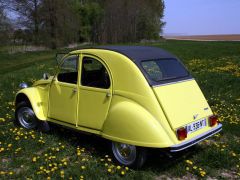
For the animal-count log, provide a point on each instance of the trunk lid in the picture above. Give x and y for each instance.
(182, 102)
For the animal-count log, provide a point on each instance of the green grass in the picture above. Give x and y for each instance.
(25, 154)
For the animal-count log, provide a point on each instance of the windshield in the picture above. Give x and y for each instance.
(164, 69)
(59, 58)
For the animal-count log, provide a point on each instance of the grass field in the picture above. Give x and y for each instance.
(66, 154)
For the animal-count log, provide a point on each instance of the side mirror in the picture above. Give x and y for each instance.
(46, 76)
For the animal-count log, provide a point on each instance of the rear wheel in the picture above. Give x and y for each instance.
(129, 155)
(25, 116)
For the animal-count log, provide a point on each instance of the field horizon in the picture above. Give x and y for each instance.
(210, 37)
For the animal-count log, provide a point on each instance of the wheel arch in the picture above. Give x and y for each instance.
(35, 99)
(20, 98)
(130, 123)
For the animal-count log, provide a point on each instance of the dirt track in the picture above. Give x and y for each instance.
(230, 37)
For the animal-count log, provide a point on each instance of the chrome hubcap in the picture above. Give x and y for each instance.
(124, 153)
(27, 118)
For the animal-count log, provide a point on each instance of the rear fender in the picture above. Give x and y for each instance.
(130, 123)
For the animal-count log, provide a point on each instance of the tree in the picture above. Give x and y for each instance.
(28, 10)
(56, 23)
(150, 24)
(131, 21)
(91, 14)
(5, 28)
(60, 22)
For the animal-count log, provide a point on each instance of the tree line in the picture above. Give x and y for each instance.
(56, 23)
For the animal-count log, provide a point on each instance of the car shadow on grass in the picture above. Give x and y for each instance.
(157, 161)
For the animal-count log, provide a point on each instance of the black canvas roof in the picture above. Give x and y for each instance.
(140, 53)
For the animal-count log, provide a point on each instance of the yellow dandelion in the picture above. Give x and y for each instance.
(9, 145)
(118, 167)
(109, 170)
(122, 173)
(189, 162)
(34, 159)
(83, 167)
(62, 174)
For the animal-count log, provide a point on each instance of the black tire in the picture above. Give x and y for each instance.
(133, 156)
(25, 116)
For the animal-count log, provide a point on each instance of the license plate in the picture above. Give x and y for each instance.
(196, 125)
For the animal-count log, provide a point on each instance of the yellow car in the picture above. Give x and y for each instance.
(137, 97)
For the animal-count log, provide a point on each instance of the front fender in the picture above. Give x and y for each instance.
(130, 123)
(38, 98)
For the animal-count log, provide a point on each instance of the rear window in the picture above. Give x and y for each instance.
(164, 69)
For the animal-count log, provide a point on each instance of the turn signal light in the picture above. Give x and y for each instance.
(181, 134)
(213, 120)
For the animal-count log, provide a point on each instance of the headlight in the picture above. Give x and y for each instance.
(23, 85)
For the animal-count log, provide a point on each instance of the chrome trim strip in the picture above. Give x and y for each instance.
(191, 142)
(173, 82)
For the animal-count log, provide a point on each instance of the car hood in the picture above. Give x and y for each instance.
(43, 81)
(182, 102)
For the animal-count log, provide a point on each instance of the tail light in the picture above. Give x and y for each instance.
(213, 120)
(181, 134)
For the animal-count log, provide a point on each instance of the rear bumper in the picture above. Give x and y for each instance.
(191, 142)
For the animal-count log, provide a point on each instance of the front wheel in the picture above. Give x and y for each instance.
(25, 116)
(129, 155)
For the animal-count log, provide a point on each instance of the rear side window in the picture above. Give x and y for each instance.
(164, 69)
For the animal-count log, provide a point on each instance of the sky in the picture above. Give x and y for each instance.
(202, 17)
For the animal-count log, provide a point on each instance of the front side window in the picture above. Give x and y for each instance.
(164, 69)
(94, 74)
(69, 70)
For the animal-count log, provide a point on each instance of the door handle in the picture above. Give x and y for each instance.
(108, 94)
(74, 90)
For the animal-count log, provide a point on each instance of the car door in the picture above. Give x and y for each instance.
(63, 95)
(95, 93)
